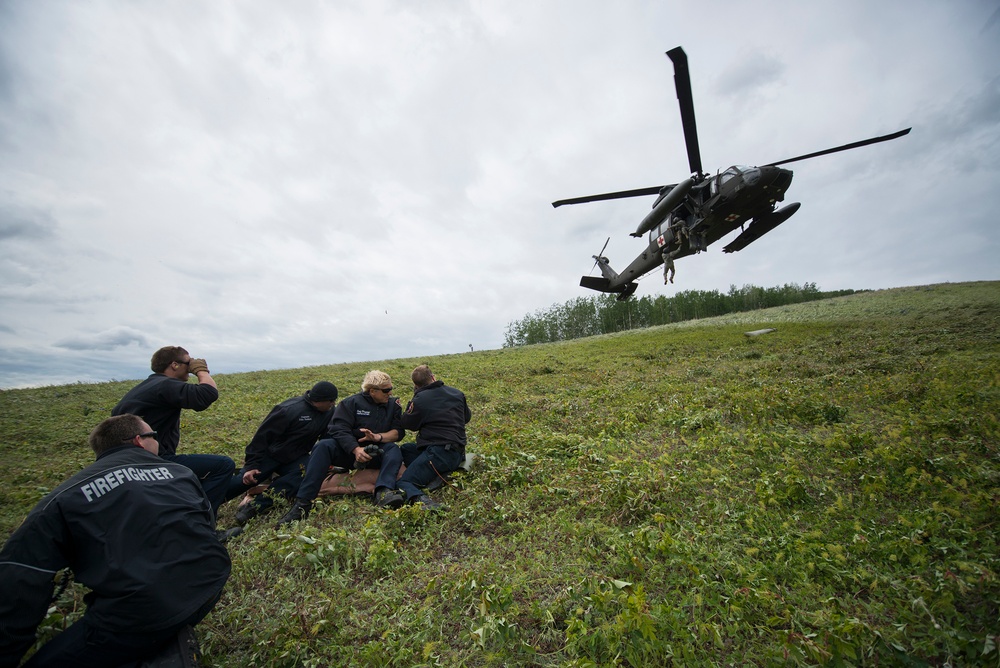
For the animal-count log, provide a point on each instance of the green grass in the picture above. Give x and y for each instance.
(825, 494)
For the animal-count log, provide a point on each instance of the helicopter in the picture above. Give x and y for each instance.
(687, 217)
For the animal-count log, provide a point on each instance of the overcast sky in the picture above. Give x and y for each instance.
(276, 185)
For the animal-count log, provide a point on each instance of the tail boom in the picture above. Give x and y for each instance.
(602, 284)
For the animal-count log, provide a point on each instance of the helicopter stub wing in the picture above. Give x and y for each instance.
(760, 226)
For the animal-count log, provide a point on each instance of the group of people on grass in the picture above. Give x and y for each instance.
(138, 526)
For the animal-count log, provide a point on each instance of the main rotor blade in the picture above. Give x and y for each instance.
(621, 194)
(682, 82)
(845, 147)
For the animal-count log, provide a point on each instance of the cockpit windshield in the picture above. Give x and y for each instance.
(730, 173)
(750, 176)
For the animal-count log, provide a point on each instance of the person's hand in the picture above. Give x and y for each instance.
(250, 477)
(361, 456)
(197, 364)
(368, 437)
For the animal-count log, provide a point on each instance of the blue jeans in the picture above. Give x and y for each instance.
(287, 483)
(326, 454)
(214, 471)
(88, 646)
(423, 466)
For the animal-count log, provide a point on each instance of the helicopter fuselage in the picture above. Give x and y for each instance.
(712, 208)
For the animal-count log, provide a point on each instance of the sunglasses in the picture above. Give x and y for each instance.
(148, 434)
(383, 390)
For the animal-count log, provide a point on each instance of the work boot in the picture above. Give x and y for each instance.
(427, 502)
(299, 511)
(181, 652)
(389, 498)
(225, 534)
(246, 512)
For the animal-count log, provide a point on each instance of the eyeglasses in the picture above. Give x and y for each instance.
(383, 390)
(188, 362)
(148, 434)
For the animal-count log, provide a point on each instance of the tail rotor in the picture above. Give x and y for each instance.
(599, 256)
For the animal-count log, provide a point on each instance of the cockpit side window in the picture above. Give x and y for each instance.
(722, 178)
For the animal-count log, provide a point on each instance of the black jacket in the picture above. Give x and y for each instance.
(439, 413)
(135, 529)
(360, 410)
(288, 432)
(159, 399)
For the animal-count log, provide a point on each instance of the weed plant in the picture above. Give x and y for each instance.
(825, 494)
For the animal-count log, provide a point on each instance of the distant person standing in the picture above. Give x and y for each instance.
(136, 530)
(159, 399)
(281, 446)
(439, 414)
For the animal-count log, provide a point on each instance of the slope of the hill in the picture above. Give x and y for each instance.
(823, 494)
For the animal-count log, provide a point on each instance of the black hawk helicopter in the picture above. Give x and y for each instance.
(689, 216)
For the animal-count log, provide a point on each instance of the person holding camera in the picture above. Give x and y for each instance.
(159, 399)
(363, 434)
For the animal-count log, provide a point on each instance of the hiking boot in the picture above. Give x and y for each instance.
(299, 511)
(224, 535)
(389, 498)
(246, 512)
(437, 483)
(427, 502)
(181, 652)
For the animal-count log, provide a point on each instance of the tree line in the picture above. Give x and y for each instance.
(603, 314)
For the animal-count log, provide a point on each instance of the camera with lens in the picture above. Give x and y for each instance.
(373, 451)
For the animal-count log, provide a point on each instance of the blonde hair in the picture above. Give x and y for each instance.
(375, 378)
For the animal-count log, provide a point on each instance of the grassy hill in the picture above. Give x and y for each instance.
(825, 494)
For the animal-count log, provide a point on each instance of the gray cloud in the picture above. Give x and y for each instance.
(748, 74)
(315, 183)
(21, 223)
(109, 339)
